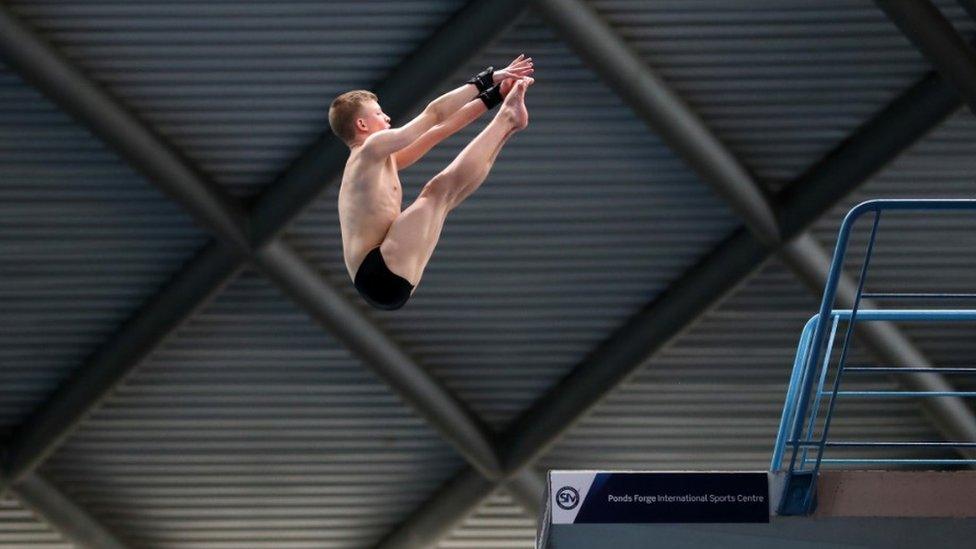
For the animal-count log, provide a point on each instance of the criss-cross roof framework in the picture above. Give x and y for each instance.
(475, 437)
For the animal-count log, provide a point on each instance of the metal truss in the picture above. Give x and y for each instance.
(934, 36)
(663, 110)
(868, 149)
(242, 237)
(969, 6)
(73, 522)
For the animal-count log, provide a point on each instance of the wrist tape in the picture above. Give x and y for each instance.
(484, 79)
(492, 96)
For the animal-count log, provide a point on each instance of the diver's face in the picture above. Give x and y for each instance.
(372, 118)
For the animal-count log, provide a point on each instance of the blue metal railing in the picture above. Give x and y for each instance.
(807, 393)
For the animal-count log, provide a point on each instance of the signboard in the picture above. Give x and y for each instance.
(590, 497)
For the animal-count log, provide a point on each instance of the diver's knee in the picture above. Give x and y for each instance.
(442, 190)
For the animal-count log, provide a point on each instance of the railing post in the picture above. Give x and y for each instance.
(789, 417)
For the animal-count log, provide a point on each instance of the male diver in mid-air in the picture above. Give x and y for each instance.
(386, 250)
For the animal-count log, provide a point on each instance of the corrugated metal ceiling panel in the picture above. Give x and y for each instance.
(927, 252)
(20, 527)
(83, 242)
(645, 423)
(584, 218)
(920, 252)
(252, 428)
(499, 523)
(242, 87)
(713, 398)
(779, 81)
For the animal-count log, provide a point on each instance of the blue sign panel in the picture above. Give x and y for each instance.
(673, 497)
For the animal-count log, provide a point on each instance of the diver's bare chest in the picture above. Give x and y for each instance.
(395, 189)
(388, 179)
(389, 193)
(384, 191)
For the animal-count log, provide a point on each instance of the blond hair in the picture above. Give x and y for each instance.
(343, 113)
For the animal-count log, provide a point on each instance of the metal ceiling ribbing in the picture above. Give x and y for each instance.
(21, 527)
(239, 86)
(920, 252)
(779, 81)
(732, 385)
(84, 240)
(762, 322)
(543, 260)
(499, 523)
(712, 399)
(60, 511)
(925, 252)
(252, 428)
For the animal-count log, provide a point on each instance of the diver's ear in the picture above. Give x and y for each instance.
(361, 124)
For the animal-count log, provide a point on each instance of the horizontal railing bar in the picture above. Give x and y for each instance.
(887, 444)
(906, 394)
(899, 369)
(907, 314)
(867, 461)
(910, 295)
(934, 204)
(899, 444)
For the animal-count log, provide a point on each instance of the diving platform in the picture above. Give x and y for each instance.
(854, 509)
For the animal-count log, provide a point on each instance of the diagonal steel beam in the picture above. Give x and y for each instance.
(444, 411)
(613, 360)
(187, 291)
(204, 276)
(874, 144)
(869, 148)
(529, 489)
(651, 99)
(214, 266)
(438, 516)
(934, 36)
(970, 7)
(76, 524)
(45, 68)
(455, 500)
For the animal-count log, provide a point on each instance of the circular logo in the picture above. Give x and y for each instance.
(567, 498)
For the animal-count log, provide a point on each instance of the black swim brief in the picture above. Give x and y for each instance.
(379, 286)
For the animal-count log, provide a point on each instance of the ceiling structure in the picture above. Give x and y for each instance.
(185, 364)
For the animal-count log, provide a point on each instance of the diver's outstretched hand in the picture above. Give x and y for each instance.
(520, 67)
